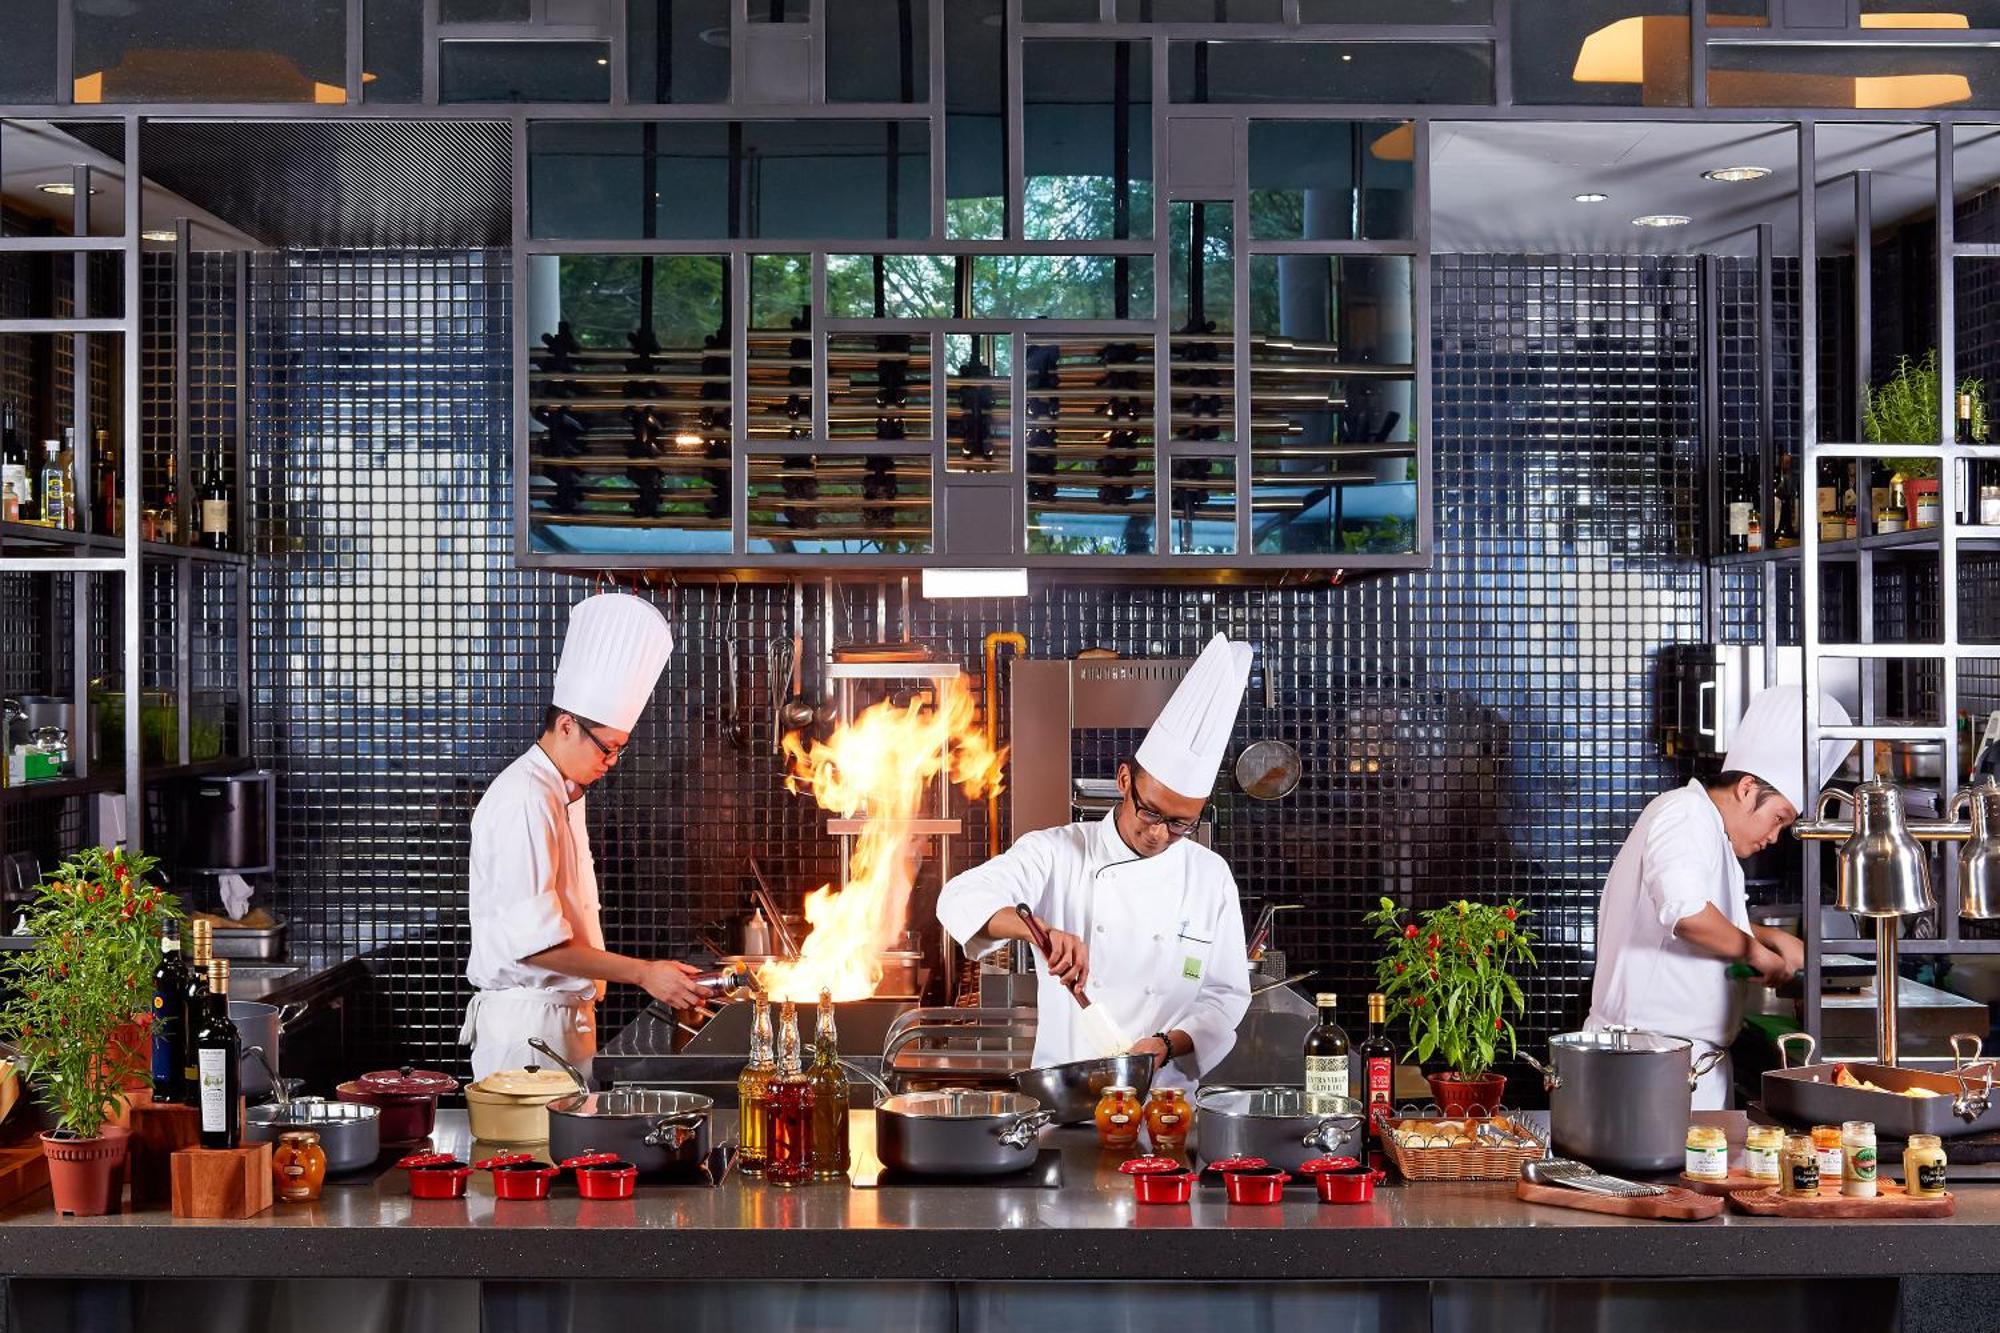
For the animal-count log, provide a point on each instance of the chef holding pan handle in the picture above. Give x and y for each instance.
(1136, 918)
(1673, 917)
(538, 962)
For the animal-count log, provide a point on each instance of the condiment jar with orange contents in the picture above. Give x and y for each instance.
(1167, 1115)
(1118, 1117)
(299, 1166)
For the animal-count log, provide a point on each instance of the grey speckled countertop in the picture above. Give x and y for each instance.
(1089, 1228)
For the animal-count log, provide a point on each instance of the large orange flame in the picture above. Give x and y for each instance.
(881, 767)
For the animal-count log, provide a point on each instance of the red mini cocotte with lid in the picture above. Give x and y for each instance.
(603, 1175)
(517, 1175)
(436, 1175)
(1341, 1179)
(1159, 1179)
(1251, 1179)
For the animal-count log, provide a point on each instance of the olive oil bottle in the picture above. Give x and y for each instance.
(753, 1092)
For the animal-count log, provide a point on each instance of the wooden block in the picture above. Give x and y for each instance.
(1738, 1180)
(1889, 1201)
(1676, 1205)
(222, 1182)
(22, 1172)
(159, 1131)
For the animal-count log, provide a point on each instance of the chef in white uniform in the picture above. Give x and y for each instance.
(1672, 918)
(1141, 919)
(538, 958)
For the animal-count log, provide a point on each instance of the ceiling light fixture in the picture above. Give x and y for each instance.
(66, 189)
(1734, 174)
(1590, 197)
(1662, 220)
(168, 236)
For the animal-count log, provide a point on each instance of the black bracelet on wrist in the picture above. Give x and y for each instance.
(1167, 1054)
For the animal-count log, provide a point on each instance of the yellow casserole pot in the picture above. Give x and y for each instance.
(512, 1105)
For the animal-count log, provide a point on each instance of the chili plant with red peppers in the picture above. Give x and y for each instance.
(1449, 974)
(87, 986)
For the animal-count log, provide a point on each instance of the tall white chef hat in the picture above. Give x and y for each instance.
(612, 657)
(1184, 749)
(1770, 741)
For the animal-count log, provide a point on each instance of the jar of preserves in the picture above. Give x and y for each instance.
(1761, 1147)
(1798, 1168)
(1167, 1119)
(1826, 1145)
(298, 1166)
(1857, 1142)
(1707, 1152)
(1923, 1167)
(1118, 1117)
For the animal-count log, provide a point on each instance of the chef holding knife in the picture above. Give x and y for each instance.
(538, 959)
(1137, 919)
(1672, 917)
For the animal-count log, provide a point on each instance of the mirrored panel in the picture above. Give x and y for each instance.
(1087, 140)
(1396, 11)
(1090, 435)
(1201, 503)
(677, 51)
(1332, 180)
(845, 504)
(1202, 376)
(1332, 404)
(1203, 11)
(778, 361)
(878, 386)
(522, 71)
(975, 142)
(392, 53)
(1624, 53)
(28, 55)
(1976, 324)
(628, 404)
(1266, 72)
(990, 286)
(878, 50)
(1867, 77)
(979, 402)
(846, 180)
(260, 50)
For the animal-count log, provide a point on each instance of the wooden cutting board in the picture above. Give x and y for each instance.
(1676, 1205)
(22, 1172)
(1889, 1201)
(1738, 1181)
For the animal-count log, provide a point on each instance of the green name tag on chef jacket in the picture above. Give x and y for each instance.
(1191, 967)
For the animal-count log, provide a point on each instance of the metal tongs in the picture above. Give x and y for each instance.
(1968, 1103)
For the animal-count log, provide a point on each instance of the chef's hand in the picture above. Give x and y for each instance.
(1787, 946)
(1069, 957)
(1775, 969)
(1153, 1047)
(667, 981)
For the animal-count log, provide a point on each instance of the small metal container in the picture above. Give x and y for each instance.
(349, 1133)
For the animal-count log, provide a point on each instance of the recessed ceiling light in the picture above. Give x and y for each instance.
(168, 236)
(604, 60)
(1590, 197)
(1736, 174)
(67, 189)
(1662, 220)
(1347, 57)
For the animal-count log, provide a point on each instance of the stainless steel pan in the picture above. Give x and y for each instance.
(1807, 1094)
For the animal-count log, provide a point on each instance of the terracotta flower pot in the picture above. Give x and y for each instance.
(1459, 1097)
(84, 1173)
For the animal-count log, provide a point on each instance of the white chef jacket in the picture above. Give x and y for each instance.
(1676, 861)
(533, 887)
(1165, 936)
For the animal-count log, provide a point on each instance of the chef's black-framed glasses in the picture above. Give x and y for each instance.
(1180, 828)
(589, 730)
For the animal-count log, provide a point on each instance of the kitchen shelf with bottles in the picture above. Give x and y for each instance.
(1911, 540)
(22, 538)
(50, 789)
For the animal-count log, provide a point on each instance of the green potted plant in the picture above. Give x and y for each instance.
(1449, 975)
(81, 1013)
(1904, 410)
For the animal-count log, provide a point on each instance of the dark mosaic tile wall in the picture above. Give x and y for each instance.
(1483, 728)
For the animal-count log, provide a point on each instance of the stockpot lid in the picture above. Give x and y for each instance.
(407, 1082)
(1277, 1102)
(632, 1104)
(530, 1082)
(958, 1104)
(1619, 1039)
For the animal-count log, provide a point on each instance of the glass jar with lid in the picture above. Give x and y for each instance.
(1761, 1146)
(1798, 1168)
(298, 1166)
(1826, 1146)
(1118, 1117)
(1923, 1167)
(1857, 1143)
(1167, 1119)
(1707, 1152)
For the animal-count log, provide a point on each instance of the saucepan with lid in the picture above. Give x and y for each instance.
(1278, 1123)
(1621, 1099)
(407, 1098)
(349, 1133)
(511, 1106)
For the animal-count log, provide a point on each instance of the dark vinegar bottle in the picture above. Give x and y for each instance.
(1374, 1075)
(170, 1054)
(218, 1055)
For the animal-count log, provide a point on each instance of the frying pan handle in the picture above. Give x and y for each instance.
(562, 1063)
(1551, 1080)
(673, 1132)
(1022, 1132)
(1785, 1048)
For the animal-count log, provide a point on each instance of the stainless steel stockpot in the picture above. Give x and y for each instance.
(1621, 1098)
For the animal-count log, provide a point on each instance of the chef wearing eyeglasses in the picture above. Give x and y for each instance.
(538, 960)
(1140, 919)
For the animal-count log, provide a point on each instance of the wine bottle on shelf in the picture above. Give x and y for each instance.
(215, 508)
(17, 486)
(1326, 1059)
(1785, 507)
(168, 526)
(194, 999)
(1374, 1074)
(170, 983)
(218, 1055)
(110, 486)
(1753, 539)
(1736, 535)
